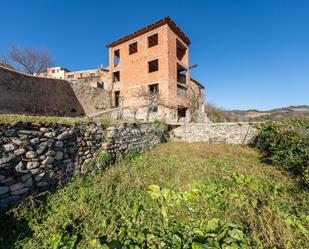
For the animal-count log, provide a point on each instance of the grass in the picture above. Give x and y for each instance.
(14, 118)
(178, 195)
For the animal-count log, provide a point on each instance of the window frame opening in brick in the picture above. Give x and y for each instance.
(181, 50)
(153, 40)
(181, 90)
(133, 48)
(181, 112)
(153, 108)
(116, 57)
(181, 74)
(70, 76)
(153, 66)
(117, 98)
(92, 74)
(100, 85)
(116, 76)
(153, 89)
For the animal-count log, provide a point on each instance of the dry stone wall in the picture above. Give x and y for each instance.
(229, 133)
(38, 157)
(131, 138)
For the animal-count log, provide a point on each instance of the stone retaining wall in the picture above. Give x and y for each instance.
(37, 157)
(131, 138)
(229, 133)
(26, 94)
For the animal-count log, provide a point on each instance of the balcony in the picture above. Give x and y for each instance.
(181, 74)
(181, 90)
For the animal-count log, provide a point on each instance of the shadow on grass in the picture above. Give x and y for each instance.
(12, 230)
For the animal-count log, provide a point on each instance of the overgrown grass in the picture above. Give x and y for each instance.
(178, 195)
(14, 118)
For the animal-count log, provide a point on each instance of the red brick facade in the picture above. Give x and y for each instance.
(157, 54)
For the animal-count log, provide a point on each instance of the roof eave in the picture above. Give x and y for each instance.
(166, 20)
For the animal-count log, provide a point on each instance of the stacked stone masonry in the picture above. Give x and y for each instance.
(228, 133)
(38, 157)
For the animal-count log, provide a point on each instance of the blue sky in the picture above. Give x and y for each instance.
(250, 53)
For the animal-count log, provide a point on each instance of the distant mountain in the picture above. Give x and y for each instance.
(300, 111)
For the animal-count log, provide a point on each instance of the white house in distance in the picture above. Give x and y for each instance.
(94, 77)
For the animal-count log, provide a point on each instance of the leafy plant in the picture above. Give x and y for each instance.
(160, 127)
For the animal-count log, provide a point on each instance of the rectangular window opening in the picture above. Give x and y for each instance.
(181, 90)
(181, 50)
(153, 66)
(116, 76)
(181, 74)
(117, 98)
(116, 57)
(133, 48)
(154, 88)
(181, 113)
(153, 40)
(153, 108)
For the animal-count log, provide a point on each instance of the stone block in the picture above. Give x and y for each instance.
(16, 186)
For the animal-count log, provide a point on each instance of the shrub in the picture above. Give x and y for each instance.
(285, 144)
(102, 159)
(160, 127)
(161, 130)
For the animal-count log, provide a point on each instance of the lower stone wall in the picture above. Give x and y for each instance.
(37, 157)
(131, 138)
(229, 133)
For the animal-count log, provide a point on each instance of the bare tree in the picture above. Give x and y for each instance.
(151, 99)
(30, 60)
(193, 97)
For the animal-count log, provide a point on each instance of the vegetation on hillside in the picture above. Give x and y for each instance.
(178, 195)
(216, 114)
(291, 112)
(286, 144)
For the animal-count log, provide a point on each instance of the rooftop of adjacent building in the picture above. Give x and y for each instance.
(167, 20)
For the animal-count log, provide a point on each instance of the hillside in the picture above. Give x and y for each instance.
(222, 197)
(290, 112)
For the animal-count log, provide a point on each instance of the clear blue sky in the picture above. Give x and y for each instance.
(250, 53)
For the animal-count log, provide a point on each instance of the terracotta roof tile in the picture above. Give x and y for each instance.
(167, 20)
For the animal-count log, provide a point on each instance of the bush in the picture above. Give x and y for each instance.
(160, 127)
(285, 144)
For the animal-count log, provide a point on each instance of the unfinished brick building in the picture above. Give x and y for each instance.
(150, 74)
